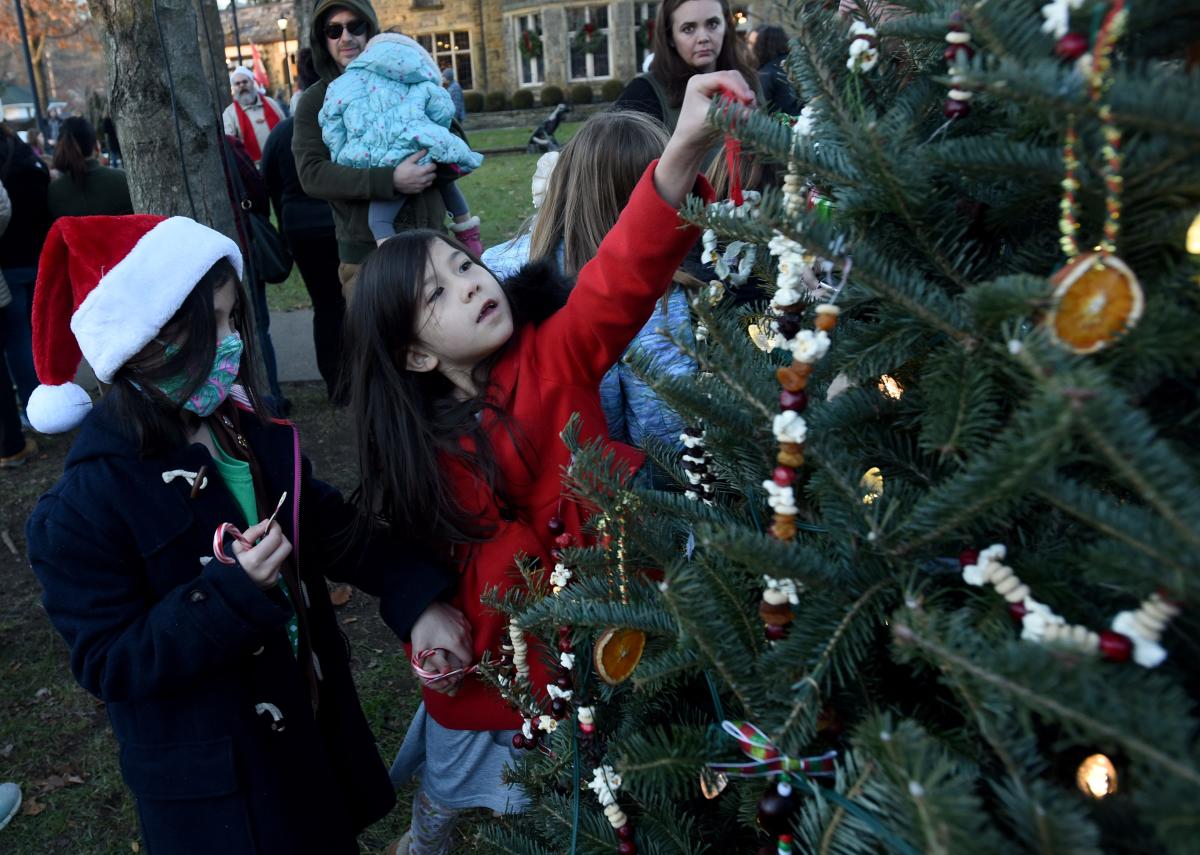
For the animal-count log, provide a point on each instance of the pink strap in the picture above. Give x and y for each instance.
(418, 660)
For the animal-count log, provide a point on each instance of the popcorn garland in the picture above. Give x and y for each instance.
(958, 51)
(1134, 634)
(864, 48)
(697, 465)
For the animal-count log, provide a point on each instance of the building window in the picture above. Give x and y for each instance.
(531, 50)
(588, 41)
(644, 15)
(451, 50)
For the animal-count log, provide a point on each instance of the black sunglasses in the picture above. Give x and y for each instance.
(356, 28)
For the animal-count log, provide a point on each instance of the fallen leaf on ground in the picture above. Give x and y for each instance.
(134, 846)
(32, 807)
(7, 750)
(341, 595)
(43, 692)
(49, 785)
(74, 779)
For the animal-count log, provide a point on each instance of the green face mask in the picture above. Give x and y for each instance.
(215, 389)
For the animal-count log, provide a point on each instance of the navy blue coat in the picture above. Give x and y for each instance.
(218, 738)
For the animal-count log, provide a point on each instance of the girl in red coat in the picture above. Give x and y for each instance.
(459, 399)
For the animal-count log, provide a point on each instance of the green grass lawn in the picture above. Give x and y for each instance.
(498, 193)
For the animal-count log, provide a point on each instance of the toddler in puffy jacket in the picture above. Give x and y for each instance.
(387, 105)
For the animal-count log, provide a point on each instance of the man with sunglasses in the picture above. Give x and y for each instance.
(340, 31)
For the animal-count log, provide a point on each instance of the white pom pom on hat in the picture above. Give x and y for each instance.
(105, 287)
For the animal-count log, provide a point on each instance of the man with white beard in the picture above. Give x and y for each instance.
(251, 116)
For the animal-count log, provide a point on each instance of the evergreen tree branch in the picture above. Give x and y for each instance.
(905, 634)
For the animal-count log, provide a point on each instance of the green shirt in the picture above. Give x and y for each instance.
(236, 475)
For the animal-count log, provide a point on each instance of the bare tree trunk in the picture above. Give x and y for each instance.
(170, 173)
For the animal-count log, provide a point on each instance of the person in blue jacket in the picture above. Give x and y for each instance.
(388, 105)
(184, 551)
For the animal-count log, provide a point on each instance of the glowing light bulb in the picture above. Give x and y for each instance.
(1193, 236)
(1097, 777)
(872, 482)
(712, 785)
(763, 338)
(890, 386)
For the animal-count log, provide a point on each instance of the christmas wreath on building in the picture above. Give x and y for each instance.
(589, 39)
(531, 44)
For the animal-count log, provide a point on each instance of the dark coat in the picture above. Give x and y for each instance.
(104, 191)
(25, 177)
(299, 215)
(778, 96)
(193, 660)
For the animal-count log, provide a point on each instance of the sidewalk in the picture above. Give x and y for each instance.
(291, 333)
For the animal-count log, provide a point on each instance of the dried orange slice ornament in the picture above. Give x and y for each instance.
(1096, 298)
(617, 653)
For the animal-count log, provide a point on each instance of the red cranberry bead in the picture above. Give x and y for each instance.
(784, 476)
(563, 541)
(625, 832)
(564, 645)
(558, 708)
(626, 847)
(776, 633)
(556, 526)
(563, 682)
(957, 21)
(968, 557)
(1115, 647)
(789, 324)
(952, 52)
(518, 740)
(1071, 46)
(795, 401)
(1017, 611)
(954, 109)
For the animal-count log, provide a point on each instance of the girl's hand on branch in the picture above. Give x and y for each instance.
(676, 171)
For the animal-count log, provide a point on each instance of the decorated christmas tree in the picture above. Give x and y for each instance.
(924, 585)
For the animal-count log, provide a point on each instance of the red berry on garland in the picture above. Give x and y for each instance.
(1017, 611)
(558, 708)
(564, 645)
(563, 540)
(625, 832)
(1071, 46)
(626, 847)
(776, 632)
(788, 324)
(954, 109)
(518, 740)
(556, 526)
(795, 401)
(784, 476)
(951, 53)
(776, 807)
(563, 681)
(968, 557)
(1115, 647)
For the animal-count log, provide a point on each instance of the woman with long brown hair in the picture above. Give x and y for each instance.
(84, 188)
(690, 37)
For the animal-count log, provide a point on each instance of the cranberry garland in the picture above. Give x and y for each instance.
(1134, 634)
(958, 52)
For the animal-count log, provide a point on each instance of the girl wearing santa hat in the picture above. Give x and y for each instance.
(183, 553)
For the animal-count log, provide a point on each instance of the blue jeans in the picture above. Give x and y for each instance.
(18, 333)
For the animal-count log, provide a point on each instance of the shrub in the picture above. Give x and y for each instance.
(552, 96)
(473, 101)
(611, 90)
(522, 99)
(581, 93)
(495, 101)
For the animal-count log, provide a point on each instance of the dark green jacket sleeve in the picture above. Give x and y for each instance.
(321, 177)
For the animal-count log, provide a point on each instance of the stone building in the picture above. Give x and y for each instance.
(498, 45)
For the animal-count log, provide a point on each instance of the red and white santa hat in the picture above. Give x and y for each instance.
(105, 287)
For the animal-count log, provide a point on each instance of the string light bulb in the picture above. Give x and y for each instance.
(1096, 776)
(891, 387)
(763, 337)
(872, 483)
(1193, 236)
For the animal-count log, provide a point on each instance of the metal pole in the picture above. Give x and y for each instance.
(237, 38)
(287, 63)
(37, 101)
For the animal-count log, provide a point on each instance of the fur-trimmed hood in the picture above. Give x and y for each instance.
(537, 291)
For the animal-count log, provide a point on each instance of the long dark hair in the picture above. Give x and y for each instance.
(670, 69)
(770, 43)
(158, 423)
(76, 146)
(410, 423)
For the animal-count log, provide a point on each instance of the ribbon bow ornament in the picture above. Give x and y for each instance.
(766, 759)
